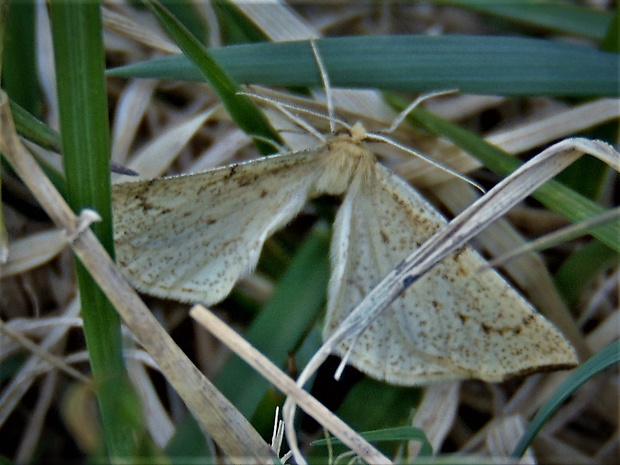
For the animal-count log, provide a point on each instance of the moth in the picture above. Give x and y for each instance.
(191, 237)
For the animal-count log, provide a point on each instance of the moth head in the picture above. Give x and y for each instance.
(358, 132)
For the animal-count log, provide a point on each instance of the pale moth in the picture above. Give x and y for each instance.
(191, 237)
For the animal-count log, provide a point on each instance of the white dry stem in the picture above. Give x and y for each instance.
(277, 20)
(158, 422)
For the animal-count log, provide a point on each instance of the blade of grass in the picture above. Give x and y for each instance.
(611, 42)
(19, 76)
(41, 134)
(298, 298)
(79, 57)
(235, 26)
(578, 271)
(415, 63)
(563, 17)
(597, 363)
(33, 129)
(392, 405)
(186, 12)
(399, 433)
(240, 108)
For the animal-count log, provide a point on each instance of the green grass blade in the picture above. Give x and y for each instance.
(400, 433)
(240, 108)
(19, 73)
(415, 63)
(79, 57)
(599, 362)
(556, 16)
(298, 298)
(235, 26)
(579, 270)
(41, 134)
(611, 42)
(187, 13)
(33, 129)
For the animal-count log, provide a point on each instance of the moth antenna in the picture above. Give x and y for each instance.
(279, 105)
(378, 137)
(403, 114)
(301, 123)
(282, 107)
(326, 85)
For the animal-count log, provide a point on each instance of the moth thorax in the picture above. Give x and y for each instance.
(344, 158)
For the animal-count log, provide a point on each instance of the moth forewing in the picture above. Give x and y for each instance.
(191, 237)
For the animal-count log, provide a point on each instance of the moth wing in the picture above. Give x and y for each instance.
(454, 322)
(191, 237)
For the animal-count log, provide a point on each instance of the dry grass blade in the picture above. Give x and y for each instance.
(41, 352)
(132, 106)
(154, 159)
(279, 22)
(231, 431)
(436, 413)
(556, 237)
(520, 138)
(126, 27)
(502, 439)
(555, 126)
(308, 403)
(30, 252)
(20, 383)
